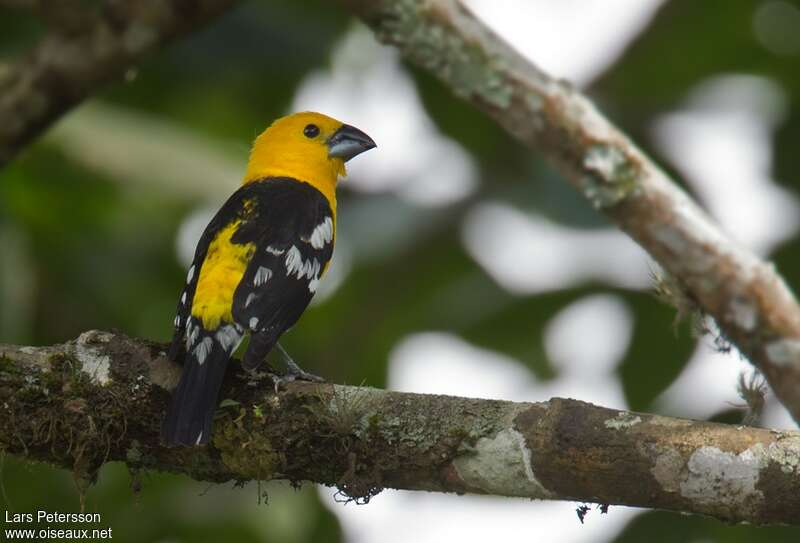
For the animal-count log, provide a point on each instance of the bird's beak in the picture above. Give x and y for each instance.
(348, 142)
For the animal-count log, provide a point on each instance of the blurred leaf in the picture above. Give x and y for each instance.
(170, 507)
(658, 352)
(663, 527)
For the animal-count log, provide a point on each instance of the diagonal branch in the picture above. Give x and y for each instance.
(101, 397)
(83, 51)
(745, 295)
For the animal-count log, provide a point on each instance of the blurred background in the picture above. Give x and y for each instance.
(463, 265)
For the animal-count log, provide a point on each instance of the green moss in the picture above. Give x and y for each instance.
(248, 454)
(459, 432)
(60, 410)
(133, 455)
(6, 364)
(373, 421)
(465, 66)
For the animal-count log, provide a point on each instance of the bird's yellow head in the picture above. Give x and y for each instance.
(309, 147)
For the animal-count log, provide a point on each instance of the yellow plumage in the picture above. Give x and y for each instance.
(283, 151)
(221, 273)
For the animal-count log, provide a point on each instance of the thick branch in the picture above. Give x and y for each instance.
(83, 51)
(749, 300)
(101, 398)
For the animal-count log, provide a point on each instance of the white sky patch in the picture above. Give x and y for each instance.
(721, 142)
(442, 363)
(338, 270)
(366, 86)
(422, 517)
(776, 416)
(526, 253)
(589, 337)
(189, 234)
(563, 37)
(706, 386)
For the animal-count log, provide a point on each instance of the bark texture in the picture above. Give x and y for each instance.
(746, 296)
(83, 50)
(101, 397)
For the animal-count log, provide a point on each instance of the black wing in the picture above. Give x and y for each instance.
(292, 226)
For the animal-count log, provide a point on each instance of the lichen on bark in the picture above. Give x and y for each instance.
(362, 439)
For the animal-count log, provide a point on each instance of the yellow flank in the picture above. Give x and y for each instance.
(284, 150)
(220, 274)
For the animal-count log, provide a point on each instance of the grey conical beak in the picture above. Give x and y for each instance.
(348, 142)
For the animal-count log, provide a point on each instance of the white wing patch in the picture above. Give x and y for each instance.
(275, 251)
(177, 321)
(192, 330)
(250, 298)
(183, 298)
(295, 265)
(203, 349)
(253, 323)
(229, 337)
(322, 234)
(262, 276)
(190, 275)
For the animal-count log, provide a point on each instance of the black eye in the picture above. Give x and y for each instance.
(311, 131)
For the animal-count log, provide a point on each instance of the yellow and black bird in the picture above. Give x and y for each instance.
(258, 262)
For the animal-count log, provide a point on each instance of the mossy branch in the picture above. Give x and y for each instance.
(101, 398)
(749, 300)
(84, 49)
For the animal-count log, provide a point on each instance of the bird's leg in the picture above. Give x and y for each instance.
(293, 373)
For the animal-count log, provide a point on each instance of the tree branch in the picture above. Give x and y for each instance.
(749, 300)
(101, 398)
(83, 51)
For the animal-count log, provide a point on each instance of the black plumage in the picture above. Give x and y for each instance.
(291, 226)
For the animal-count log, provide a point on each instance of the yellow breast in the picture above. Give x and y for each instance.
(220, 274)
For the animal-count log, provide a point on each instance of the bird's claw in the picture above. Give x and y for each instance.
(294, 374)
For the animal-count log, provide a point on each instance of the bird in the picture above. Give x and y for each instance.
(258, 263)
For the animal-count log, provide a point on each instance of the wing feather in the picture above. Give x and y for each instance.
(292, 226)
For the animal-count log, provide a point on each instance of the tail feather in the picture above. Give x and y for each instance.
(191, 410)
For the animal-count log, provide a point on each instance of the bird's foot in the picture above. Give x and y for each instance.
(294, 374)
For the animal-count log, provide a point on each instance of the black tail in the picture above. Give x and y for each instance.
(191, 411)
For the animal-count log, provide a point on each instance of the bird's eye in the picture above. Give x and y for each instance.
(311, 131)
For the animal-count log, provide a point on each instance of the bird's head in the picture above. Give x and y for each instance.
(307, 146)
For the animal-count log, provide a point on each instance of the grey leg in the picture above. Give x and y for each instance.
(294, 372)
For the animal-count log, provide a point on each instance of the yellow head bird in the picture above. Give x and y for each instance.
(258, 262)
